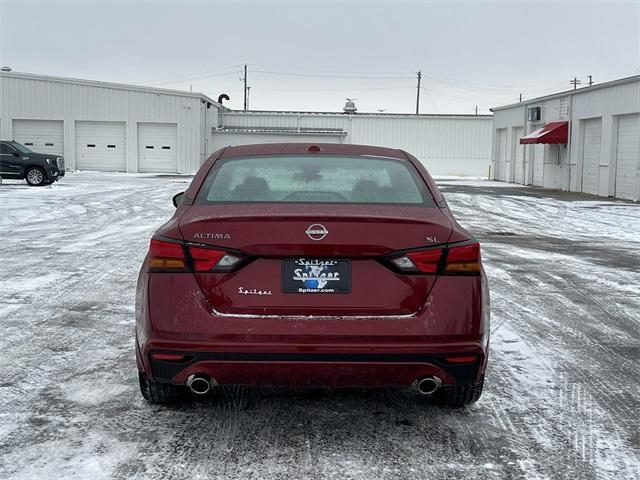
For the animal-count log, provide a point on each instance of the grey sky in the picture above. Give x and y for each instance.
(471, 53)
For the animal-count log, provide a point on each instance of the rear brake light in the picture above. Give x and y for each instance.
(166, 255)
(210, 259)
(463, 260)
(425, 261)
(458, 260)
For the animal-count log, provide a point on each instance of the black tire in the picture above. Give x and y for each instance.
(162, 393)
(35, 176)
(458, 395)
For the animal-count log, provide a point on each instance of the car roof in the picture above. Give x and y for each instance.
(311, 149)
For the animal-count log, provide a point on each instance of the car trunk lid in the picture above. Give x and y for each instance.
(352, 237)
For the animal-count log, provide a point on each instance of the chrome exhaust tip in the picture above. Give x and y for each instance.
(428, 385)
(200, 384)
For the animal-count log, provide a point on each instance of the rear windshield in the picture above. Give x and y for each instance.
(314, 179)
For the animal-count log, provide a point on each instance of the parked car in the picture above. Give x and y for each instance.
(298, 264)
(18, 162)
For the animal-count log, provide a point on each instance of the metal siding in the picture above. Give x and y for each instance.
(606, 103)
(48, 99)
(591, 146)
(446, 145)
(628, 157)
(224, 139)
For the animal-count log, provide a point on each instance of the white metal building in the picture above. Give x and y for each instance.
(446, 144)
(585, 140)
(116, 127)
(107, 126)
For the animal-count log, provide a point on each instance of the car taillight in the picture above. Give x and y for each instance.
(166, 255)
(212, 260)
(457, 260)
(464, 259)
(425, 261)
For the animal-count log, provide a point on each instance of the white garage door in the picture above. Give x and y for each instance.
(157, 147)
(518, 155)
(591, 155)
(101, 146)
(41, 136)
(501, 154)
(628, 157)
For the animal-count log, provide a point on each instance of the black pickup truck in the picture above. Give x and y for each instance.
(18, 162)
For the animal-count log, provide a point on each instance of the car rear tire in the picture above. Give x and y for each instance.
(35, 176)
(459, 395)
(163, 393)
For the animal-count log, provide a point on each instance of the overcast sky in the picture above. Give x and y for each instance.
(304, 55)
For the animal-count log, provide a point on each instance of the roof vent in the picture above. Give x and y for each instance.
(350, 107)
(5, 68)
(314, 148)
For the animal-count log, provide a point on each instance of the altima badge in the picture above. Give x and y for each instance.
(316, 231)
(212, 236)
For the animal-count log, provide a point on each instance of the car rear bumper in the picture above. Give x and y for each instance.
(271, 350)
(316, 365)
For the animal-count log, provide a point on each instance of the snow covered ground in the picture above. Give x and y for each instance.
(561, 401)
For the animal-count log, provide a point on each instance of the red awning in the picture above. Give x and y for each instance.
(552, 132)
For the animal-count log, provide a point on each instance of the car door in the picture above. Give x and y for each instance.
(11, 164)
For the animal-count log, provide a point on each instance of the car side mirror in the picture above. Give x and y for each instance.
(177, 199)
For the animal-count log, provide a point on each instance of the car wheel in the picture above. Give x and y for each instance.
(162, 393)
(458, 395)
(36, 177)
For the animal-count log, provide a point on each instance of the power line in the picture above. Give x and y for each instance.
(438, 77)
(219, 72)
(446, 79)
(372, 72)
(348, 89)
(359, 77)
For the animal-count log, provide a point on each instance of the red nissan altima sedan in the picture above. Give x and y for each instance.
(312, 264)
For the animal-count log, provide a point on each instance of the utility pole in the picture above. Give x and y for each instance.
(520, 98)
(575, 82)
(590, 79)
(246, 92)
(418, 93)
(476, 109)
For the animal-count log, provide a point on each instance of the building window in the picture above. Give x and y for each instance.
(535, 113)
